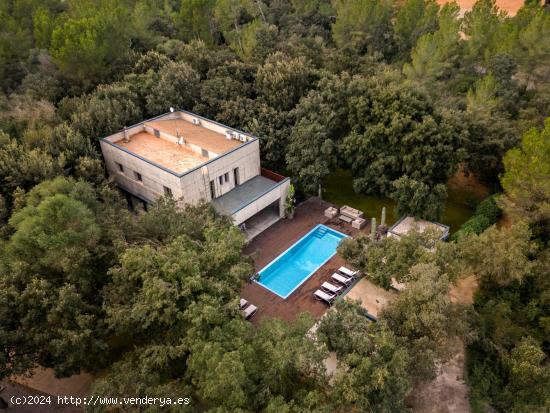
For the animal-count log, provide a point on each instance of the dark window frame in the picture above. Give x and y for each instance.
(213, 189)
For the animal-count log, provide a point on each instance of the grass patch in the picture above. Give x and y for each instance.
(338, 189)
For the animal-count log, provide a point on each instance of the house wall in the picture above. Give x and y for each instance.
(154, 179)
(205, 123)
(246, 158)
(279, 193)
(191, 187)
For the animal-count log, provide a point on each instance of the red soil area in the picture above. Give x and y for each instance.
(509, 6)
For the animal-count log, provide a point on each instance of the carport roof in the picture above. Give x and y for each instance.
(243, 194)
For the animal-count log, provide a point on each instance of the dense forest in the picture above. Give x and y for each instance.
(401, 93)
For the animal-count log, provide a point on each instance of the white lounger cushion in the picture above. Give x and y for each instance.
(321, 295)
(347, 271)
(341, 279)
(243, 303)
(331, 287)
(249, 311)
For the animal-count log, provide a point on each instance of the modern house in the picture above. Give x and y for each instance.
(195, 159)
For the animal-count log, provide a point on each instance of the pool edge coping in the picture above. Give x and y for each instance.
(290, 247)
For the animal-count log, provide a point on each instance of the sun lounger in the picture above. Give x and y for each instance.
(249, 311)
(331, 288)
(243, 303)
(346, 271)
(323, 296)
(342, 279)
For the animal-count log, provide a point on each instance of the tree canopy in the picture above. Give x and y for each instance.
(401, 95)
(527, 178)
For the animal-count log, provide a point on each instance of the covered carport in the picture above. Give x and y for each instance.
(254, 205)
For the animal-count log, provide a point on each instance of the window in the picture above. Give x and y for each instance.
(138, 176)
(212, 189)
(226, 177)
(221, 180)
(167, 191)
(120, 167)
(236, 176)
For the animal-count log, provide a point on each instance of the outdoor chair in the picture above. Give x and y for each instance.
(323, 296)
(331, 288)
(347, 272)
(249, 311)
(342, 279)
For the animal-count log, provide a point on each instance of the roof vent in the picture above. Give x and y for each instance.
(196, 121)
(126, 136)
(229, 134)
(242, 137)
(181, 141)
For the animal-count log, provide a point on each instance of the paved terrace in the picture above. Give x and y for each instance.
(268, 245)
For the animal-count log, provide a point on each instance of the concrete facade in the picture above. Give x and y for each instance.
(192, 158)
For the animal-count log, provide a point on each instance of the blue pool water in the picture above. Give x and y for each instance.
(290, 269)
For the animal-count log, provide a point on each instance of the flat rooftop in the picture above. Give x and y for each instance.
(175, 157)
(406, 224)
(196, 135)
(174, 142)
(241, 195)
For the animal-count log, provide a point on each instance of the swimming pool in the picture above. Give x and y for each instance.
(294, 266)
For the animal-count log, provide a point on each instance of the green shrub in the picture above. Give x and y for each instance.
(489, 208)
(476, 225)
(487, 213)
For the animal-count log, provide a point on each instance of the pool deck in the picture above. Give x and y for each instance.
(272, 242)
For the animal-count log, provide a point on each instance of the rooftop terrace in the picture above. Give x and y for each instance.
(175, 157)
(178, 141)
(197, 135)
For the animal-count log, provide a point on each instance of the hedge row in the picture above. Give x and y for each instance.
(487, 213)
